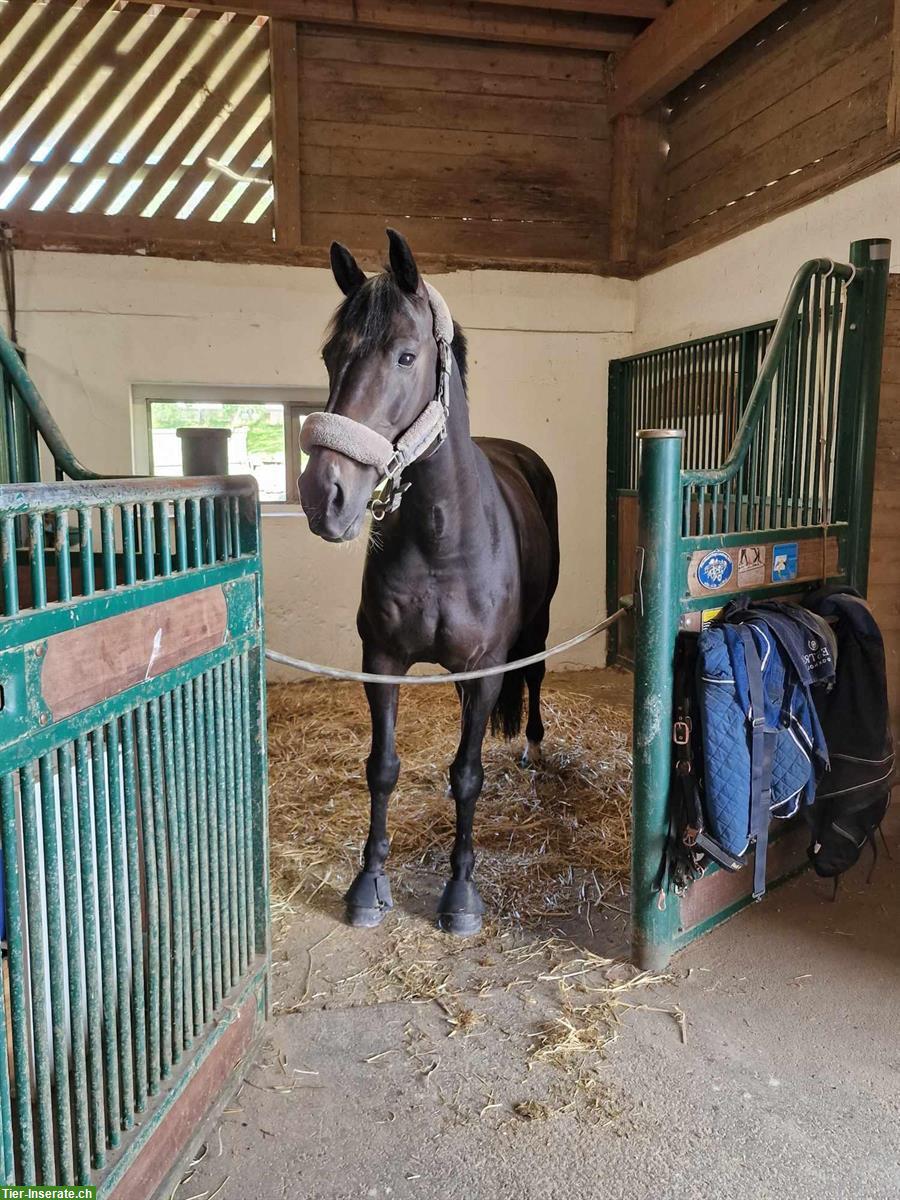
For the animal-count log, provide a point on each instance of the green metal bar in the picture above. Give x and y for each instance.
(866, 306)
(161, 511)
(34, 887)
(214, 744)
(228, 825)
(8, 1164)
(203, 702)
(181, 552)
(615, 464)
(36, 555)
(129, 556)
(209, 515)
(189, 912)
(15, 939)
(175, 875)
(151, 902)
(656, 613)
(132, 840)
(56, 952)
(121, 916)
(195, 532)
(233, 737)
(148, 563)
(107, 953)
(86, 539)
(162, 879)
(91, 953)
(63, 557)
(10, 568)
(70, 874)
(780, 336)
(254, 783)
(236, 525)
(108, 546)
(194, 708)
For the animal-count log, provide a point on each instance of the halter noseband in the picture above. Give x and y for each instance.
(364, 445)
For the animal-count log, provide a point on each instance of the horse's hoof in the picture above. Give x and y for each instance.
(460, 908)
(531, 756)
(365, 918)
(368, 900)
(460, 924)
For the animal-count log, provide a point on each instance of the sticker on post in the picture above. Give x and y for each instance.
(714, 570)
(708, 615)
(784, 562)
(751, 568)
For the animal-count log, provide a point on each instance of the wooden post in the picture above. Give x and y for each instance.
(636, 190)
(284, 72)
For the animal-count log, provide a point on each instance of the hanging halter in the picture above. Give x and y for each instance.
(364, 445)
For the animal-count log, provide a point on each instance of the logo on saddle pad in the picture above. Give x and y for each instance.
(714, 570)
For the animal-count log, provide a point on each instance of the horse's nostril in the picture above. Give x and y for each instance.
(337, 496)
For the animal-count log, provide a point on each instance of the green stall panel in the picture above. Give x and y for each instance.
(786, 506)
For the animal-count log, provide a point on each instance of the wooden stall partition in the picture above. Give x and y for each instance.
(487, 152)
(884, 569)
(802, 104)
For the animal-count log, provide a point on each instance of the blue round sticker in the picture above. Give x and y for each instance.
(714, 570)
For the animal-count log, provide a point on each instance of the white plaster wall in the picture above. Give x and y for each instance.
(540, 345)
(745, 280)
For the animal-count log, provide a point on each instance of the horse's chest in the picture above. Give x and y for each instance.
(441, 619)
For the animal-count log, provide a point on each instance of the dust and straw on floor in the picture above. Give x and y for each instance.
(530, 1060)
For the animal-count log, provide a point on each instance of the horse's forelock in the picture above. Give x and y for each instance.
(364, 322)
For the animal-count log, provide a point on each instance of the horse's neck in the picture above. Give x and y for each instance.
(444, 505)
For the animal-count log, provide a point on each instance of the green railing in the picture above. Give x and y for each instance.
(788, 508)
(132, 803)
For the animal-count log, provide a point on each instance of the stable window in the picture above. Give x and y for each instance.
(264, 427)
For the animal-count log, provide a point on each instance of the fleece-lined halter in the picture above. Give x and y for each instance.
(364, 445)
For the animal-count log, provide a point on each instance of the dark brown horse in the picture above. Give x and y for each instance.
(461, 573)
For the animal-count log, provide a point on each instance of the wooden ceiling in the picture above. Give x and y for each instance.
(655, 44)
(605, 26)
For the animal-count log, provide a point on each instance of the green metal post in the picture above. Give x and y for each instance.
(860, 390)
(656, 619)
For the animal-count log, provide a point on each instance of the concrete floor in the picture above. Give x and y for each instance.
(785, 1084)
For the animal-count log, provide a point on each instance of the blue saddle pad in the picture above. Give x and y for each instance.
(725, 726)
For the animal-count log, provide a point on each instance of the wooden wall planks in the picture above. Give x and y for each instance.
(796, 108)
(884, 571)
(470, 149)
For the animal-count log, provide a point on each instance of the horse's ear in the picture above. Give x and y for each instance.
(403, 264)
(347, 273)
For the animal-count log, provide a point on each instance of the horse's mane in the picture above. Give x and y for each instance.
(364, 322)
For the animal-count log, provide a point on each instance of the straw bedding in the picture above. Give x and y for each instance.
(552, 847)
(545, 838)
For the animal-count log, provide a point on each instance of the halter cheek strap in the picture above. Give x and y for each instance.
(364, 445)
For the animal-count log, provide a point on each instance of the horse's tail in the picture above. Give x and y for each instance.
(506, 719)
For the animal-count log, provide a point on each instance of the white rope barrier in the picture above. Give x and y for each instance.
(312, 668)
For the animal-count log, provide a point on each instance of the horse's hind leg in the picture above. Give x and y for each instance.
(369, 896)
(534, 727)
(460, 907)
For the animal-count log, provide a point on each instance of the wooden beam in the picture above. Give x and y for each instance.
(445, 18)
(685, 38)
(636, 190)
(646, 10)
(893, 100)
(284, 68)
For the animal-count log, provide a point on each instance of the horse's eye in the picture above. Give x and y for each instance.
(406, 359)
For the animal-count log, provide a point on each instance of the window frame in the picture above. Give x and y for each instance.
(296, 402)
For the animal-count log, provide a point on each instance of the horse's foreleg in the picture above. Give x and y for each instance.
(460, 906)
(369, 896)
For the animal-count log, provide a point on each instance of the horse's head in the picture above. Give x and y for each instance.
(382, 361)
